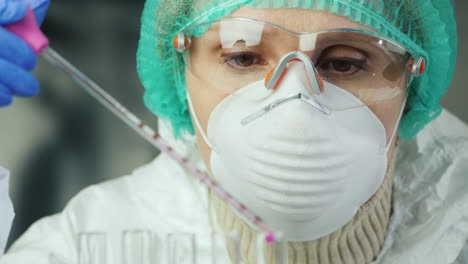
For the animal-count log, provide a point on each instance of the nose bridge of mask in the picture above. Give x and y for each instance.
(295, 83)
(276, 75)
(294, 79)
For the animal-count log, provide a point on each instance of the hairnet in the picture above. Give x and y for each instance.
(425, 27)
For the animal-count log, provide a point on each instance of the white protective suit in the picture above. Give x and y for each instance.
(6, 209)
(430, 207)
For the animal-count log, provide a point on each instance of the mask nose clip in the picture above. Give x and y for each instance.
(276, 74)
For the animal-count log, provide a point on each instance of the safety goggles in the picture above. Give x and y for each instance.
(235, 52)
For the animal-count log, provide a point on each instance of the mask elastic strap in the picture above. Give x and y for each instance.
(397, 125)
(197, 123)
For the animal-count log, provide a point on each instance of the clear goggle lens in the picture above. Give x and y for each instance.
(235, 52)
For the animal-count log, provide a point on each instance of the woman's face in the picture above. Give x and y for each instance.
(205, 98)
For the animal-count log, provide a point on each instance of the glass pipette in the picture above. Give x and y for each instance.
(28, 30)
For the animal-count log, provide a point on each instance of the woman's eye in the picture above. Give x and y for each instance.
(243, 60)
(342, 66)
(341, 61)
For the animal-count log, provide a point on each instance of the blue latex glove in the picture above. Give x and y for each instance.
(17, 59)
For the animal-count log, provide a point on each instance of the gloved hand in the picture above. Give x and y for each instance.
(17, 59)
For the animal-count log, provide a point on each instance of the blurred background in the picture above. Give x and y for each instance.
(63, 140)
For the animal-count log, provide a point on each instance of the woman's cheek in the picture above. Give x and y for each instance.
(388, 113)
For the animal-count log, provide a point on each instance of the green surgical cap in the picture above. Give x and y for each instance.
(426, 27)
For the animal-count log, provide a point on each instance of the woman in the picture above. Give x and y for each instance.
(298, 108)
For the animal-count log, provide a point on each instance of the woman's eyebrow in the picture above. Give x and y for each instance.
(269, 32)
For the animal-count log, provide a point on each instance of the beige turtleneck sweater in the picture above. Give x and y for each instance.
(357, 242)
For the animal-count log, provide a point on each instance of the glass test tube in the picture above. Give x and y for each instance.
(138, 246)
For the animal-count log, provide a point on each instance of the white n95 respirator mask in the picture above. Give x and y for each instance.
(305, 170)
